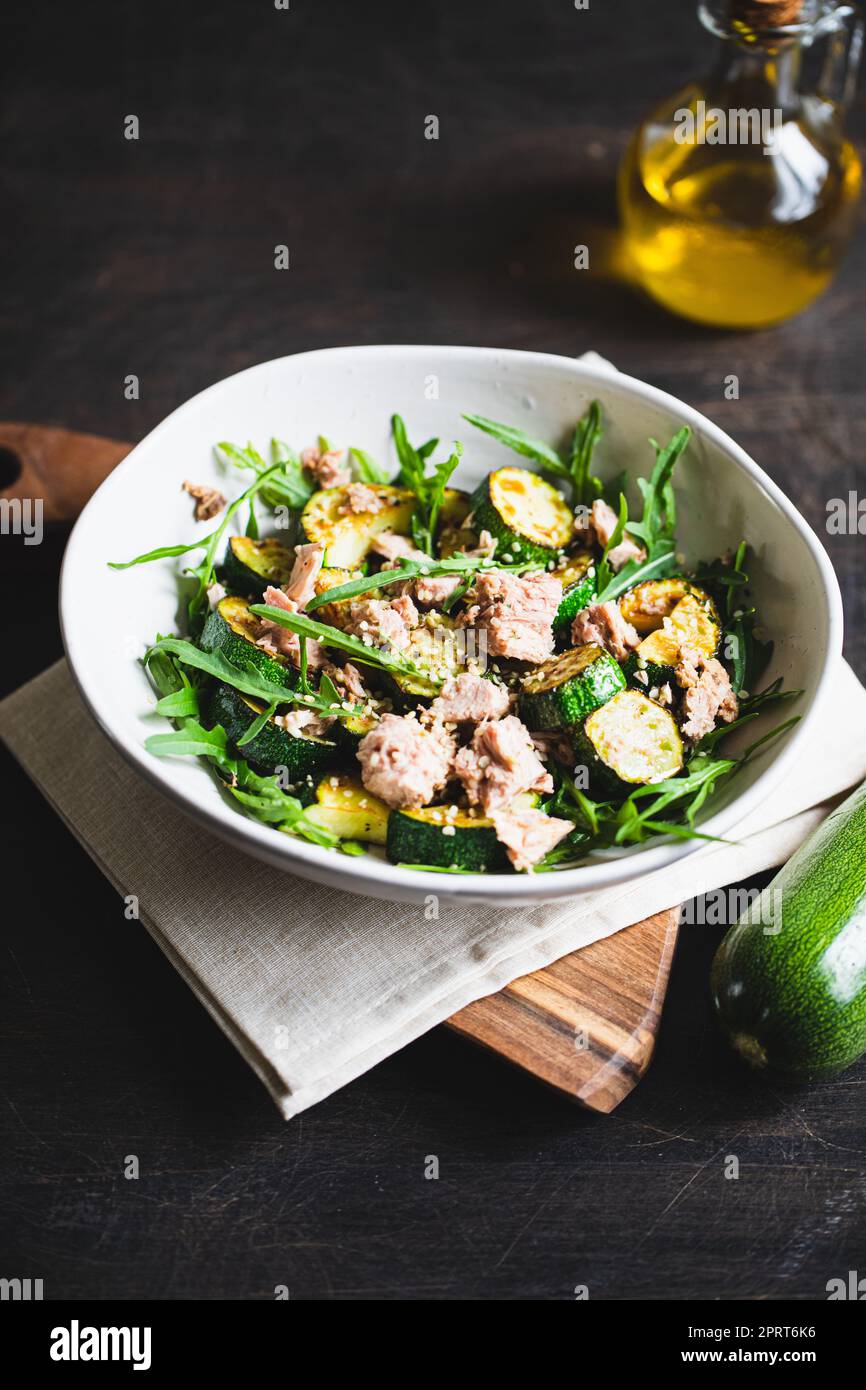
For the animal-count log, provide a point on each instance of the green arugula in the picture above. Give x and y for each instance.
(290, 487)
(245, 679)
(575, 469)
(262, 797)
(411, 569)
(429, 489)
(342, 641)
(655, 530)
(747, 656)
(369, 471)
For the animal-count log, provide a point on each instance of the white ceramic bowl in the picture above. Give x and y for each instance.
(108, 617)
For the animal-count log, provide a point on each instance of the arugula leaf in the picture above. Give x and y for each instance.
(333, 637)
(524, 444)
(369, 470)
(656, 528)
(587, 433)
(410, 569)
(429, 489)
(605, 572)
(290, 487)
(244, 679)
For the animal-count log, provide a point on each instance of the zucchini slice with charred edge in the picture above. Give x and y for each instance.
(561, 692)
(345, 807)
(347, 536)
(250, 566)
(579, 577)
(332, 579)
(627, 743)
(437, 648)
(647, 605)
(272, 747)
(693, 622)
(436, 835)
(230, 628)
(528, 517)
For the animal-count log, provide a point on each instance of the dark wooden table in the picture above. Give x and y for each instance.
(155, 258)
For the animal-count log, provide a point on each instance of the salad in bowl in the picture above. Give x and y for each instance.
(512, 679)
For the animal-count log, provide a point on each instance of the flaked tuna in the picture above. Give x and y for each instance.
(708, 695)
(278, 641)
(361, 499)
(603, 521)
(528, 835)
(327, 469)
(302, 580)
(305, 723)
(394, 547)
(516, 612)
(209, 501)
(382, 622)
(470, 699)
(499, 764)
(602, 625)
(404, 763)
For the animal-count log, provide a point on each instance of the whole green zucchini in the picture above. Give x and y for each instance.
(789, 980)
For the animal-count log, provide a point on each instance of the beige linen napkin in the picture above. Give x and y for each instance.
(315, 986)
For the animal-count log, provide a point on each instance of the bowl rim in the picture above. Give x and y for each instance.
(367, 874)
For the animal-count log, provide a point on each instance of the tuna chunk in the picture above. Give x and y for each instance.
(395, 547)
(499, 764)
(209, 501)
(432, 590)
(404, 763)
(304, 723)
(602, 625)
(708, 695)
(360, 499)
(470, 699)
(528, 834)
(348, 681)
(381, 622)
(604, 520)
(516, 612)
(328, 469)
(278, 641)
(302, 580)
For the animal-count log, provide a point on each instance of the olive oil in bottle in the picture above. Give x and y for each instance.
(738, 195)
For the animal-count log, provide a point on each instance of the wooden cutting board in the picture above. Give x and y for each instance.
(585, 1025)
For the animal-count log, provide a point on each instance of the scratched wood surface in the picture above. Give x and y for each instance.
(155, 259)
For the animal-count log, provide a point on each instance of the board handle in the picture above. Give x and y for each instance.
(60, 467)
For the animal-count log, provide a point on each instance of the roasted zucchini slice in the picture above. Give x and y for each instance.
(272, 747)
(450, 837)
(452, 533)
(693, 622)
(345, 807)
(561, 692)
(347, 536)
(627, 743)
(579, 578)
(529, 518)
(230, 628)
(332, 579)
(647, 605)
(437, 649)
(250, 566)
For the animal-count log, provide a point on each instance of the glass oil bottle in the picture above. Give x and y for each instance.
(738, 195)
